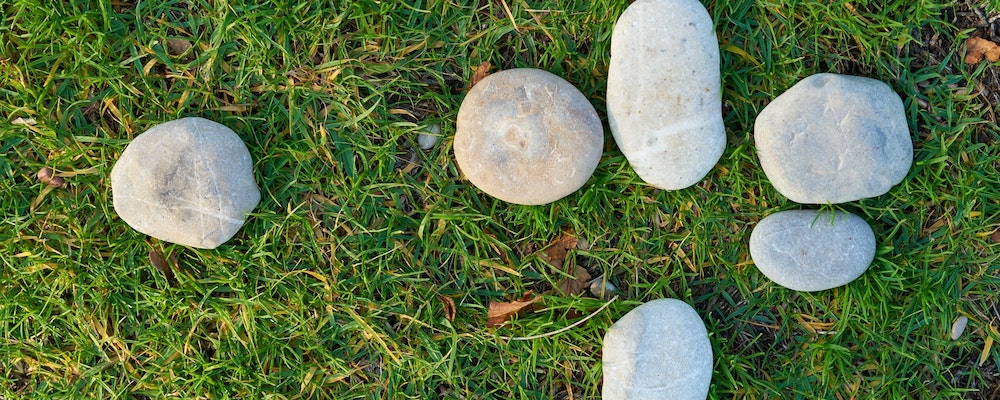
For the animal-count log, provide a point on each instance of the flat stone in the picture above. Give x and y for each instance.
(833, 139)
(659, 350)
(428, 138)
(188, 181)
(812, 250)
(527, 136)
(664, 92)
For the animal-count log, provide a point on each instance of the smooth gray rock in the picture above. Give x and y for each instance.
(834, 139)
(188, 181)
(664, 92)
(428, 138)
(810, 250)
(659, 350)
(527, 136)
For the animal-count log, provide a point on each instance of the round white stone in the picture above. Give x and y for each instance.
(527, 136)
(659, 350)
(188, 181)
(833, 139)
(809, 250)
(664, 92)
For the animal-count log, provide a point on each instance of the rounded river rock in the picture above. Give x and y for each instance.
(527, 136)
(810, 250)
(834, 139)
(188, 181)
(664, 92)
(659, 350)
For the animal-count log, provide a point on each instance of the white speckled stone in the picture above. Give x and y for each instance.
(659, 350)
(833, 139)
(664, 92)
(809, 250)
(527, 136)
(188, 181)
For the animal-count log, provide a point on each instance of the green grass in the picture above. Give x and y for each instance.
(331, 289)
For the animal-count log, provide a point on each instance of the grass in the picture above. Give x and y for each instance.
(332, 288)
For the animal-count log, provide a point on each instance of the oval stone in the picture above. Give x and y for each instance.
(833, 139)
(664, 92)
(810, 250)
(659, 350)
(188, 181)
(527, 136)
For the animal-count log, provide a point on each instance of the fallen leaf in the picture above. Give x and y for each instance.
(176, 47)
(482, 71)
(986, 350)
(995, 236)
(555, 255)
(48, 176)
(579, 283)
(502, 311)
(449, 307)
(977, 48)
(161, 264)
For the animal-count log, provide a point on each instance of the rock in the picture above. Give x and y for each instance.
(659, 350)
(958, 327)
(810, 250)
(188, 181)
(527, 136)
(428, 138)
(834, 139)
(664, 92)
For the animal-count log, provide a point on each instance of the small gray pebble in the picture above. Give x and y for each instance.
(427, 139)
(958, 327)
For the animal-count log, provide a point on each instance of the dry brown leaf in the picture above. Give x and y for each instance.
(977, 48)
(555, 255)
(161, 264)
(176, 47)
(158, 260)
(576, 285)
(995, 236)
(482, 71)
(449, 307)
(48, 176)
(502, 311)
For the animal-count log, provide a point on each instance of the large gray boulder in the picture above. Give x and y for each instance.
(527, 136)
(188, 181)
(659, 350)
(833, 139)
(664, 92)
(810, 250)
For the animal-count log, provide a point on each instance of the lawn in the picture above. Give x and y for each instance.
(338, 285)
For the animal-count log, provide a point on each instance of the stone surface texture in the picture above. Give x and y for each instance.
(527, 136)
(664, 92)
(812, 250)
(188, 181)
(659, 350)
(833, 139)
